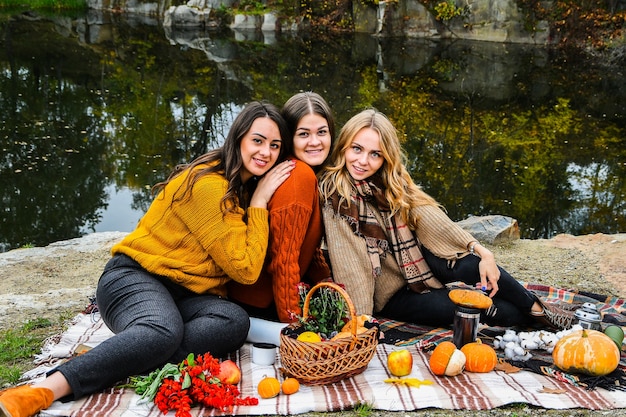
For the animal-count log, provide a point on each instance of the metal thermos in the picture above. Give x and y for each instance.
(465, 326)
(588, 317)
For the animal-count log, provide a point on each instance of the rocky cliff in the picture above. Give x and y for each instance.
(484, 20)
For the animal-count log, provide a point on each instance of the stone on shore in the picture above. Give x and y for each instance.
(494, 230)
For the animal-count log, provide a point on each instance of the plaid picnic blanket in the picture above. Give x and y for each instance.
(537, 383)
(612, 310)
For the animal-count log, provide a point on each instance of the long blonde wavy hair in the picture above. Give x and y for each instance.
(401, 191)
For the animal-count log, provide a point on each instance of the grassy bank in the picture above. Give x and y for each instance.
(19, 345)
(52, 5)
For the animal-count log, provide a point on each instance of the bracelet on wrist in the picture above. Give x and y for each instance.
(471, 247)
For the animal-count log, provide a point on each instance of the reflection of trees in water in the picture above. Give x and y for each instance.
(51, 174)
(602, 187)
(513, 162)
(484, 134)
(49, 185)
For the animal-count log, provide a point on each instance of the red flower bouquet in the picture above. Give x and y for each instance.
(192, 382)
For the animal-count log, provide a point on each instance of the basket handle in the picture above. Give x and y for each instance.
(342, 292)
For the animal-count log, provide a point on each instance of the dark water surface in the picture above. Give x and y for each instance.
(98, 109)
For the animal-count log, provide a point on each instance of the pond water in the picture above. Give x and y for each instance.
(99, 108)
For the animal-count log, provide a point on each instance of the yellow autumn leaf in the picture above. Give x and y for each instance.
(547, 390)
(411, 382)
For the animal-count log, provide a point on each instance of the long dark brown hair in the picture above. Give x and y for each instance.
(227, 161)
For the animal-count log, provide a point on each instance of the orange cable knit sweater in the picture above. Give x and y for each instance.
(193, 244)
(294, 253)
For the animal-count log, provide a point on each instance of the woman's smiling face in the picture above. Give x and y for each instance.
(260, 148)
(311, 141)
(364, 156)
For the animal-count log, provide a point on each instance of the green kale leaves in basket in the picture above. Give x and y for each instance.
(328, 311)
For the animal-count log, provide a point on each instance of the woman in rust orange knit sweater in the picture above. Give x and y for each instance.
(162, 291)
(296, 229)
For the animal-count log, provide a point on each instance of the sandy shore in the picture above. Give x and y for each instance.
(59, 279)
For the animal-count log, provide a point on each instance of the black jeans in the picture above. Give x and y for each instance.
(512, 301)
(155, 321)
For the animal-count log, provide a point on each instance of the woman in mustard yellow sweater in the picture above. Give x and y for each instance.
(162, 291)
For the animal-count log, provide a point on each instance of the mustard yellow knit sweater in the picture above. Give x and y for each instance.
(193, 244)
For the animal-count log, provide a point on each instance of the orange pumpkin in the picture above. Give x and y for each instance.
(341, 335)
(479, 357)
(586, 351)
(447, 360)
(290, 386)
(268, 387)
(470, 298)
(360, 323)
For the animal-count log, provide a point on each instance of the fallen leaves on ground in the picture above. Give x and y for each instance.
(411, 382)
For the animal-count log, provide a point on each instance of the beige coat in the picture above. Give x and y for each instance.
(352, 267)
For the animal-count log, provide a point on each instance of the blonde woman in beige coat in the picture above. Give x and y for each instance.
(394, 248)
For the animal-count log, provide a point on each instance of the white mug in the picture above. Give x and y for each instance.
(263, 353)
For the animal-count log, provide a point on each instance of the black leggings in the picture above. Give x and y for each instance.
(155, 321)
(512, 301)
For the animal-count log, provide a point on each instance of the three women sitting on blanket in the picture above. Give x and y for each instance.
(389, 243)
(393, 247)
(163, 290)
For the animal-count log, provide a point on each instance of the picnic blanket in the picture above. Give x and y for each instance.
(468, 391)
(612, 310)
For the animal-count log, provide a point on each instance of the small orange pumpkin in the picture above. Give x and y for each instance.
(360, 324)
(470, 298)
(447, 360)
(268, 387)
(290, 386)
(341, 335)
(586, 351)
(479, 357)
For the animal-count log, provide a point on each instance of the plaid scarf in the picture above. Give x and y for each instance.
(399, 239)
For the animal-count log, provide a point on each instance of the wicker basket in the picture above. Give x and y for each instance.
(328, 361)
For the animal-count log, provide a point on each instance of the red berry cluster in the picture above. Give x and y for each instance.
(198, 384)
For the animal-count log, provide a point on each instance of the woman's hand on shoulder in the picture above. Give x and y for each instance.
(270, 182)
